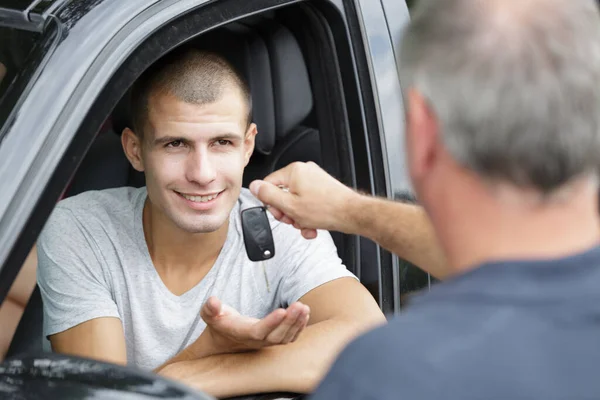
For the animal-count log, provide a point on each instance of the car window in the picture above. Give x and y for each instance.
(16, 46)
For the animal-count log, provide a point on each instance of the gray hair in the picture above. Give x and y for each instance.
(515, 85)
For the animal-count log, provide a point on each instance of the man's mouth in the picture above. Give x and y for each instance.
(200, 198)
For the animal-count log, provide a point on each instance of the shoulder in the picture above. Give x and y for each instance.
(114, 200)
(380, 364)
(91, 209)
(430, 351)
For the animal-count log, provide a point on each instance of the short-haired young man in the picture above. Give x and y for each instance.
(158, 276)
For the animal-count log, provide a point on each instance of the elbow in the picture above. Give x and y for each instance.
(306, 380)
(358, 326)
(172, 371)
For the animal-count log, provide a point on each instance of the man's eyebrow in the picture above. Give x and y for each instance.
(222, 136)
(227, 136)
(169, 139)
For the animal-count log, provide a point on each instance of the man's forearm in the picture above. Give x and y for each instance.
(296, 367)
(404, 229)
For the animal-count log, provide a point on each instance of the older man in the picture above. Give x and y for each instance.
(502, 108)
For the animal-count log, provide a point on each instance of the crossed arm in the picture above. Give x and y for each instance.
(339, 311)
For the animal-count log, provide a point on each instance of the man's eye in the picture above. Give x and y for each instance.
(175, 143)
(224, 142)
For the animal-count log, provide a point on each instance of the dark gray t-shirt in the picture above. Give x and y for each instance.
(94, 262)
(513, 330)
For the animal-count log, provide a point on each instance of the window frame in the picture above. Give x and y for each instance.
(55, 162)
(158, 40)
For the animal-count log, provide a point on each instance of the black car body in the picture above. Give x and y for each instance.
(325, 87)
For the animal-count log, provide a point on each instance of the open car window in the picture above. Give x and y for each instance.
(15, 48)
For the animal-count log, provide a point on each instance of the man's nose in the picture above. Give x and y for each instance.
(201, 168)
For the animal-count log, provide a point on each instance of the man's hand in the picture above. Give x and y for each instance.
(227, 331)
(315, 199)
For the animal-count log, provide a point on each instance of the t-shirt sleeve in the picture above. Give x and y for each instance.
(71, 277)
(306, 264)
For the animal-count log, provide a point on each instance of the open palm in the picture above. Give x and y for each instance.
(230, 331)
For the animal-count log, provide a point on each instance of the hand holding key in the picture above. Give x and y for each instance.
(313, 200)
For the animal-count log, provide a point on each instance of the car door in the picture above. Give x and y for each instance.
(73, 88)
(381, 25)
(90, 52)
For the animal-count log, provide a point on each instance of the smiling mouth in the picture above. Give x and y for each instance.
(200, 198)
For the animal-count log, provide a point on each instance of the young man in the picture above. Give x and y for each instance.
(158, 277)
(503, 142)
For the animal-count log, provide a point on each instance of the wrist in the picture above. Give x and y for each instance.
(203, 347)
(351, 213)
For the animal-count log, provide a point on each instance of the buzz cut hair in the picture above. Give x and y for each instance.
(191, 75)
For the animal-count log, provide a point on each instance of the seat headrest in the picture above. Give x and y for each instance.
(121, 115)
(247, 52)
(291, 83)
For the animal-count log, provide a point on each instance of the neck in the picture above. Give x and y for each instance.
(174, 250)
(480, 224)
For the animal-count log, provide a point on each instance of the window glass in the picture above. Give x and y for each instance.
(17, 48)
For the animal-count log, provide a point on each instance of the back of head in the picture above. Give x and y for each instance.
(515, 85)
(191, 75)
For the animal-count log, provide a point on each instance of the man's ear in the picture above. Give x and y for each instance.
(132, 145)
(422, 135)
(249, 141)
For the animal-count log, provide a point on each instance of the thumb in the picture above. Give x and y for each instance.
(211, 309)
(255, 187)
(281, 177)
(272, 196)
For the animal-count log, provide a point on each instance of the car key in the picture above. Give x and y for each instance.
(258, 238)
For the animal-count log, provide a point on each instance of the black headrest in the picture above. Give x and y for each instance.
(245, 49)
(291, 83)
(121, 115)
(248, 54)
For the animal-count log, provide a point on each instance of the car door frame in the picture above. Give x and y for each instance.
(51, 153)
(382, 23)
(47, 157)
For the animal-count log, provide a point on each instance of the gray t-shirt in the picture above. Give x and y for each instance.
(93, 262)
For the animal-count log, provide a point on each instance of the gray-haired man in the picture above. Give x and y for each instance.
(503, 101)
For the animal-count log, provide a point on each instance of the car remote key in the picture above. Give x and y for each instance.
(258, 238)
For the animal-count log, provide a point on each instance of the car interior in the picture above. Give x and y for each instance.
(269, 55)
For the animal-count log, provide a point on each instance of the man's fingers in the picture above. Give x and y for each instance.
(287, 220)
(309, 233)
(279, 333)
(276, 213)
(293, 313)
(300, 331)
(265, 326)
(281, 177)
(211, 309)
(272, 196)
(298, 326)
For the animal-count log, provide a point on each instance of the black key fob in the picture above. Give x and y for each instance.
(258, 237)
